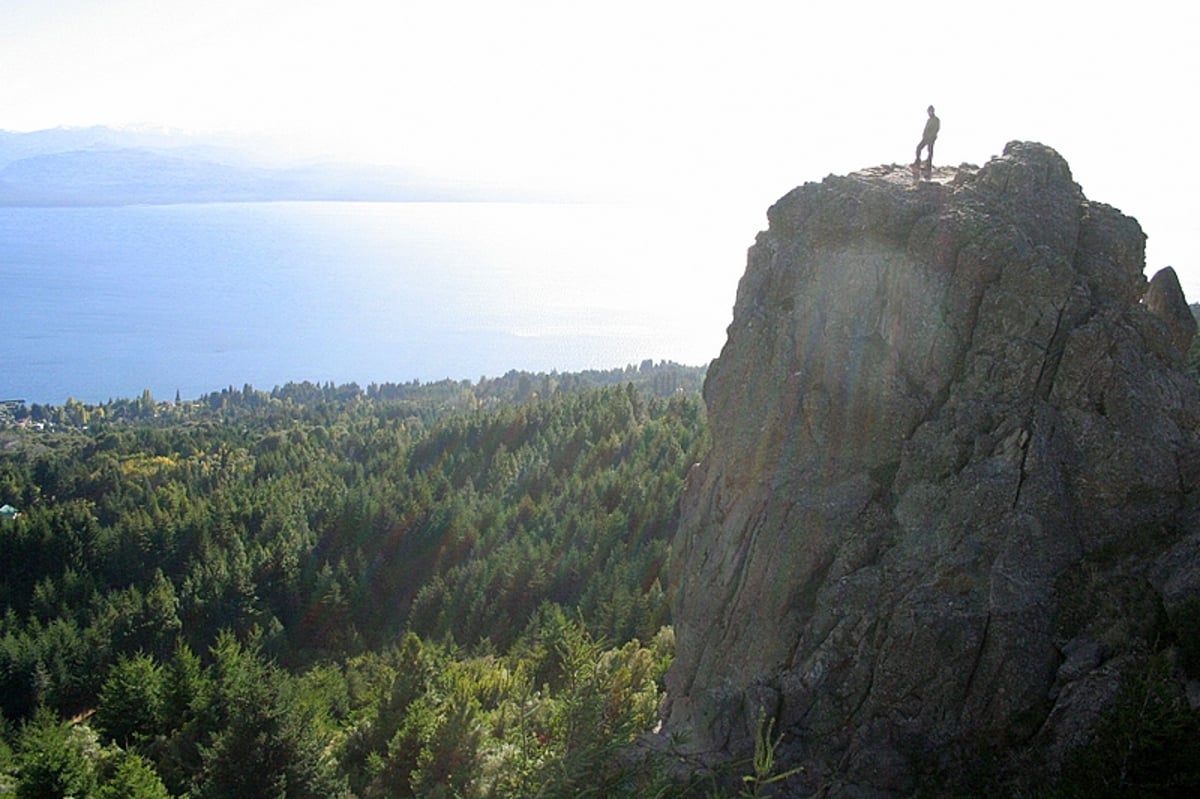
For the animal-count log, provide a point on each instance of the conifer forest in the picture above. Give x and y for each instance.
(453, 589)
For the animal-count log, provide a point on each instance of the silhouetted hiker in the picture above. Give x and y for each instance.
(928, 138)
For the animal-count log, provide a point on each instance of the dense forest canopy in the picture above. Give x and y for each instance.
(449, 589)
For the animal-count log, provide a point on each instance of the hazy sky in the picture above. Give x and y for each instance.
(718, 104)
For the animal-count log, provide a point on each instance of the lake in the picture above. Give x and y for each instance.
(101, 303)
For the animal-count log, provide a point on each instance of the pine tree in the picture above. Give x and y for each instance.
(133, 778)
(55, 759)
(131, 701)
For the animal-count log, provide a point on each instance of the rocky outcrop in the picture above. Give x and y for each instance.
(1165, 299)
(951, 482)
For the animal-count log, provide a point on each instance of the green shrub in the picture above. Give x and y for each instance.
(1146, 743)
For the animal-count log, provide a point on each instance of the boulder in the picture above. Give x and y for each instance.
(1165, 300)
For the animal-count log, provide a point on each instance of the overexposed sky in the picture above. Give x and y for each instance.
(717, 104)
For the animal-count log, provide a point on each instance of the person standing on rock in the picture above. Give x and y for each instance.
(928, 138)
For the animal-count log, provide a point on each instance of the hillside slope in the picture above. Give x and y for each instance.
(104, 167)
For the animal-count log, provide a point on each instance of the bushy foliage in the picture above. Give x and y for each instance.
(1146, 744)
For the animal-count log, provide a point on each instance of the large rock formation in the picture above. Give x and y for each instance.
(950, 494)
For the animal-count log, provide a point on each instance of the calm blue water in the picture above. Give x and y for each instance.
(101, 303)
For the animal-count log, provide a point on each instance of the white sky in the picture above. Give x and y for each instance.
(725, 105)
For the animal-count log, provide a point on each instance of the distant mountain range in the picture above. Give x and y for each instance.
(104, 166)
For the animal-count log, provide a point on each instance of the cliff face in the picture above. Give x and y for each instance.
(951, 483)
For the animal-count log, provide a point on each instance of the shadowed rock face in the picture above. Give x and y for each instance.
(937, 407)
